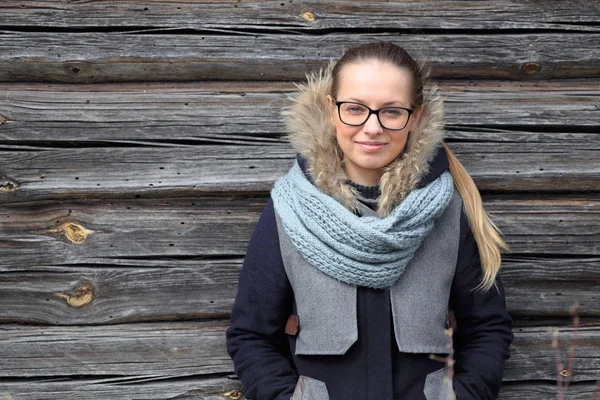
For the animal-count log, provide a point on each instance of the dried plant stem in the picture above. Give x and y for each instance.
(572, 347)
(449, 361)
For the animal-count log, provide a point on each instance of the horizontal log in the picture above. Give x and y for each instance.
(130, 57)
(168, 350)
(178, 350)
(544, 390)
(202, 388)
(550, 287)
(125, 172)
(184, 289)
(568, 15)
(132, 231)
(222, 388)
(557, 111)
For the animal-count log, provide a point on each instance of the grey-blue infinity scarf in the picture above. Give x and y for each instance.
(363, 251)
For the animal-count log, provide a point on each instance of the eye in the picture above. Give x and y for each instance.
(354, 109)
(392, 112)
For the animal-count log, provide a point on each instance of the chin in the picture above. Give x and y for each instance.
(373, 165)
(375, 162)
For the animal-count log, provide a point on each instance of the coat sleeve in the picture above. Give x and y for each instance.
(256, 340)
(484, 327)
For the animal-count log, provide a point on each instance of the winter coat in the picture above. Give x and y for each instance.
(296, 331)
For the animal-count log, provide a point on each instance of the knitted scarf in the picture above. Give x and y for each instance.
(363, 251)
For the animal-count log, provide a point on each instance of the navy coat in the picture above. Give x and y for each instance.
(373, 368)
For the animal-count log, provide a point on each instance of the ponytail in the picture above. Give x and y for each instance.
(486, 233)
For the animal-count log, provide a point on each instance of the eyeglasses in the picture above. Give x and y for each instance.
(356, 114)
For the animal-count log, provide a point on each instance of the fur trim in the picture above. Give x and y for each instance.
(312, 135)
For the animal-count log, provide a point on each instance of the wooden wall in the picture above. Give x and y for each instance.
(139, 140)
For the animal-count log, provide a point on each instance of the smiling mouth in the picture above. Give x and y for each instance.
(371, 146)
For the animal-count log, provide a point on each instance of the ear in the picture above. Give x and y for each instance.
(331, 108)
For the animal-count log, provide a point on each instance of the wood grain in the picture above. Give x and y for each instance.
(131, 57)
(142, 229)
(196, 388)
(126, 172)
(567, 15)
(188, 113)
(188, 289)
(179, 290)
(219, 388)
(178, 350)
(150, 388)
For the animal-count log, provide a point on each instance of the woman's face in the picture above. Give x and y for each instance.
(368, 148)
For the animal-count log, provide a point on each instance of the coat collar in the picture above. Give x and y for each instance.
(319, 156)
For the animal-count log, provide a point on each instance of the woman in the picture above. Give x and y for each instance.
(367, 245)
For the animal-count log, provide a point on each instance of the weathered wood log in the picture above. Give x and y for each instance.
(130, 57)
(571, 15)
(117, 172)
(184, 289)
(201, 388)
(549, 287)
(178, 350)
(543, 390)
(96, 232)
(128, 350)
(188, 113)
(225, 388)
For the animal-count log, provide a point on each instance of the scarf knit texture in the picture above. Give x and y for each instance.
(363, 251)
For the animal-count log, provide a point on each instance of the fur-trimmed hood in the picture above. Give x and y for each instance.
(312, 135)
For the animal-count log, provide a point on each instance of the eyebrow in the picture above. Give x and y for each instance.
(383, 105)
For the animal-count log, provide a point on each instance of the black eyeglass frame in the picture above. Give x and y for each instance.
(376, 112)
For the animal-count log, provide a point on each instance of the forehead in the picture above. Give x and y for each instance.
(375, 82)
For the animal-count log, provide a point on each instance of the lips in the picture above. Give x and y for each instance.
(371, 146)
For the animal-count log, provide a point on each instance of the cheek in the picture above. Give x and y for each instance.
(344, 134)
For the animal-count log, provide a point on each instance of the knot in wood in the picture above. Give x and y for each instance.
(531, 68)
(80, 296)
(233, 394)
(309, 16)
(8, 185)
(2, 119)
(74, 232)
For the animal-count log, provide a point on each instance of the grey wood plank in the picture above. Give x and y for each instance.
(182, 290)
(545, 390)
(172, 350)
(130, 230)
(200, 388)
(117, 172)
(134, 231)
(555, 111)
(538, 286)
(571, 15)
(179, 350)
(129, 57)
(185, 289)
(534, 358)
(219, 388)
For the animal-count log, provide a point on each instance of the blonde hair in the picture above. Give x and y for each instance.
(486, 233)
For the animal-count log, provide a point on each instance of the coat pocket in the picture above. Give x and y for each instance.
(310, 389)
(436, 387)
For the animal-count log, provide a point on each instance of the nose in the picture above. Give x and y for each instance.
(372, 125)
